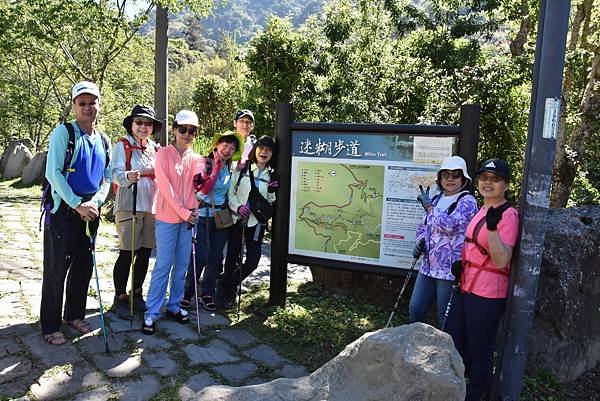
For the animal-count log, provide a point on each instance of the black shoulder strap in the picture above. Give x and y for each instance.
(105, 143)
(252, 183)
(70, 147)
(453, 206)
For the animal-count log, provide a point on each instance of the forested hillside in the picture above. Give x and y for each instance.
(238, 19)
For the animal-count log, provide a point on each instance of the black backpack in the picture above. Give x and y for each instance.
(47, 202)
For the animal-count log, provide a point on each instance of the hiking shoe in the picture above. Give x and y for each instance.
(139, 305)
(121, 309)
(182, 316)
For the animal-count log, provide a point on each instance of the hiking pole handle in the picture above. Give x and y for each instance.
(134, 189)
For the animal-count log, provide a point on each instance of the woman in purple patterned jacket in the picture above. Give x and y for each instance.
(440, 238)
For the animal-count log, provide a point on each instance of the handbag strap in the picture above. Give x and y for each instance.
(252, 183)
(212, 201)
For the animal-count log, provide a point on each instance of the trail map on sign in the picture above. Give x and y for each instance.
(338, 208)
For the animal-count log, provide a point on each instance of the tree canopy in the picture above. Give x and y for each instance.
(395, 61)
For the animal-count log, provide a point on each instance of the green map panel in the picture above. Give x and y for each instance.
(339, 208)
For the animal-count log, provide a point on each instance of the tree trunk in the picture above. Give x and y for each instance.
(564, 158)
(566, 168)
(517, 44)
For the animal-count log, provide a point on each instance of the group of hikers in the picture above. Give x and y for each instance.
(189, 207)
(185, 205)
(465, 264)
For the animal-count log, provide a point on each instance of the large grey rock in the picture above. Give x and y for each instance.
(35, 170)
(413, 362)
(565, 338)
(14, 159)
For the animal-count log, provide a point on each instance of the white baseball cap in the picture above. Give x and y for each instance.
(85, 87)
(455, 163)
(186, 117)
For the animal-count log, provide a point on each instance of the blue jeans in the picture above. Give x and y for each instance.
(173, 247)
(473, 324)
(425, 290)
(209, 256)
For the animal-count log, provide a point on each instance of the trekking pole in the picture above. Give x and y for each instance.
(456, 269)
(133, 217)
(408, 276)
(93, 244)
(239, 268)
(194, 242)
(447, 312)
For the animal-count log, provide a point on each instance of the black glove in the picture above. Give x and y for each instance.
(456, 269)
(419, 249)
(424, 197)
(493, 217)
(273, 184)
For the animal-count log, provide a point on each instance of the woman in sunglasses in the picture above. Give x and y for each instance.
(133, 162)
(476, 309)
(176, 212)
(440, 238)
(212, 184)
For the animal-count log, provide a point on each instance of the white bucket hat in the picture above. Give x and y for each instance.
(186, 117)
(454, 163)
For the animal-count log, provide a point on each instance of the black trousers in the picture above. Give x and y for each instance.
(67, 254)
(122, 268)
(252, 239)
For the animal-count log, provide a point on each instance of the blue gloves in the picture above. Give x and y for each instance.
(424, 197)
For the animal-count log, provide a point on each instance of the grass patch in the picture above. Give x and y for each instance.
(314, 326)
(541, 386)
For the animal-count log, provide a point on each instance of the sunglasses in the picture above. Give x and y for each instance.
(451, 174)
(144, 123)
(490, 177)
(183, 130)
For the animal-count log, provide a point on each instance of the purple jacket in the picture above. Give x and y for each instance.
(444, 235)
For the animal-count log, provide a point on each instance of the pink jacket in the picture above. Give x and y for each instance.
(174, 178)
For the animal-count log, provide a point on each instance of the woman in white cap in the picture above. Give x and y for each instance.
(440, 238)
(212, 184)
(132, 165)
(175, 204)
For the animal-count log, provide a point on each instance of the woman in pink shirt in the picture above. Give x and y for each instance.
(176, 213)
(475, 312)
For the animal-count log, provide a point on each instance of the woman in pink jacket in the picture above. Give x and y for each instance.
(176, 213)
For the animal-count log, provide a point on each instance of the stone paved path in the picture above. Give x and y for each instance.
(175, 363)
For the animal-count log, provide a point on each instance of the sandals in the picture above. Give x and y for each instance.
(56, 338)
(208, 303)
(80, 325)
(182, 316)
(148, 327)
